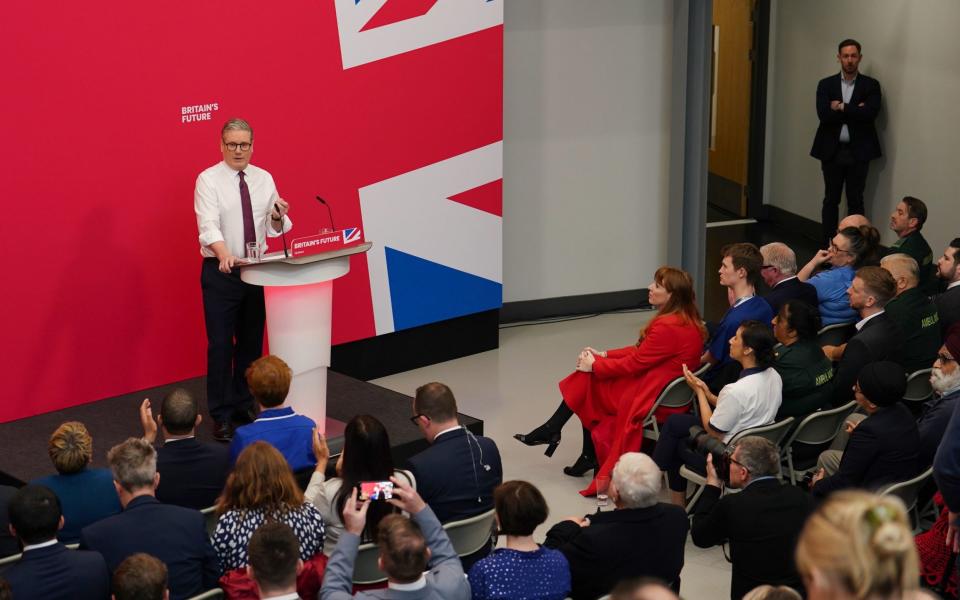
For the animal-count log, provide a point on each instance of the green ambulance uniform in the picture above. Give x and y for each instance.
(915, 246)
(806, 375)
(917, 318)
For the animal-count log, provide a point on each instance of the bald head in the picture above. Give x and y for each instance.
(854, 221)
(904, 270)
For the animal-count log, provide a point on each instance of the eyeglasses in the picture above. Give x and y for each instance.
(232, 146)
(836, 249)
(943, 359)
(737, 462)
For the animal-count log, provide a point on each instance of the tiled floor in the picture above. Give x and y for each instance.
(514, 388)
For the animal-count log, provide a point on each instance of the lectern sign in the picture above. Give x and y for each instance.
(325, 242)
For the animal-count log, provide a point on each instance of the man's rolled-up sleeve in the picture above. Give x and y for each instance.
(208, 213)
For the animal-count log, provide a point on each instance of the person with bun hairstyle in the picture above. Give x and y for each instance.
(850, 249)
(752, 400)
(859, 545)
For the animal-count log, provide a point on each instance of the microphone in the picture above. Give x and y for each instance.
(329, 211)
(283, 233)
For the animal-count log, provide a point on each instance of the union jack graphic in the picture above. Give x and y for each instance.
(351, 234)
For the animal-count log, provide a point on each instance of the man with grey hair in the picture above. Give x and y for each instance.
(913, 312)
(779, 272)
(642, 537)
(237, 207)
(761, 523)
(173, 534)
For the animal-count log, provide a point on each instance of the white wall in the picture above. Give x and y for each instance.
(586, 145)
(912, 48)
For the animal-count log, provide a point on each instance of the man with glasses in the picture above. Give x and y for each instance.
(946, 462)
(945, 380)
(237, 207)
(779, 272)
(761, 523)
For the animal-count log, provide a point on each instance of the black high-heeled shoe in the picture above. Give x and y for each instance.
(539, 436)
(579, 469)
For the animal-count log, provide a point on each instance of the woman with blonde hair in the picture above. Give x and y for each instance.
(261, 488)
(612, 391)
(86, 495)
(859, 546)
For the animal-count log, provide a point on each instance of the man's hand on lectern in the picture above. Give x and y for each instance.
(226, 262)
(147, 421)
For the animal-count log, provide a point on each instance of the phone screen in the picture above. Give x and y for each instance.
(376, 490)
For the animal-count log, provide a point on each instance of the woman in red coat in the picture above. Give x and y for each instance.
(613, 391)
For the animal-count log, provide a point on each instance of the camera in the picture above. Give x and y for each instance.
(703, 443)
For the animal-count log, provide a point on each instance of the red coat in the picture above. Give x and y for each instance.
(614, 400)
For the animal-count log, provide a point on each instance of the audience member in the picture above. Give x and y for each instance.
(858, 545)
(269, 378)
(769, 592)
(415, 553)
(877, 338)
(365, 457)
(761, 523)
(882, 448)
(752, 400)
(522, 569)
(48, 569)
(854, 220)
(641, 537)
(8, 543)
(779, 272)
(948, 271)
(174, 534)
(643, 588)
(261, 488)
(906, 221)
(804, 369)
(914, 313)
(740, 274)
(86, 495)
(192, 472)
(614, 390)
(946, 465)
(849, 250)
(274, 553)
(945, 379)
(140, 577)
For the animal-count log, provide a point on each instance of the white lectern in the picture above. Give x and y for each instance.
(298, 293)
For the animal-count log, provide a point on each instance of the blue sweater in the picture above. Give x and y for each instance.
(288, 432)
(753, 309)
(832, 287)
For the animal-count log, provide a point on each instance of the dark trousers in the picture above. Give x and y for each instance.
(673, 450)
(842, 170)
(234, 314)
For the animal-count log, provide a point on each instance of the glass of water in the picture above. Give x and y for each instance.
(603, 484)
(253, 252)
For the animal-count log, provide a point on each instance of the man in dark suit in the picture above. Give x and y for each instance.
(8, 543)
(174, 534)
(779, 272)
(878, 337)
(948, 271)
(192, 472)
(761, 523)
(846, 140)
(49, 569)
(641, 538)
(884, 447)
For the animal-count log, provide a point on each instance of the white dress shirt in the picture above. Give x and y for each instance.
(216, 201)
(859, 324)
(846, 90)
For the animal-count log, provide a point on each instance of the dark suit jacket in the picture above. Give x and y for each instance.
(879, 339)
(58, 572)
(8, 544)
(948, 307)
(622, 544)
(175, 535)
(456, 475)
(192, 473)
(859, 120)
(884, 448)
(792, 289)
(762, 524)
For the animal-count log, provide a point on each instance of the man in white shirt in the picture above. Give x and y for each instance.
(236, 204)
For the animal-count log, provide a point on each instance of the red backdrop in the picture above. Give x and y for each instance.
(102, 265)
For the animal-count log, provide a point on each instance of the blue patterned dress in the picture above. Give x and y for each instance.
(542, 574)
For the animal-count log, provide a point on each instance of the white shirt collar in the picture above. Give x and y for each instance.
(177, 439)
(448, 430)
(40, 545)
(412, 586)
(864, 320)
(782, 280)
(740, 301)
(953, 285)
(290, 596)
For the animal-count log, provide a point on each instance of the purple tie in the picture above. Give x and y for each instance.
(249, 231)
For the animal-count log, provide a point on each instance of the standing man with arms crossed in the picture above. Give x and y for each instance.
(846, 140)
(236, 204)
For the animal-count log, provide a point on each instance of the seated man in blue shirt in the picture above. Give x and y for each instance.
(269, 378)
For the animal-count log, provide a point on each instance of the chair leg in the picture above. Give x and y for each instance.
(693, 499)
(793, 474)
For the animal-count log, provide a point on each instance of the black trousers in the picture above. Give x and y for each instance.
(843, 170)
(234, 314)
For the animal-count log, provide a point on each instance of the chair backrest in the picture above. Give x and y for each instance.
(471, 534)
(775, 432)
(836, 334)
(677, 393)
(918, 386)
(210, 518)
(365, 568)
(820, 427)
(214, 593)
(908, 490)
